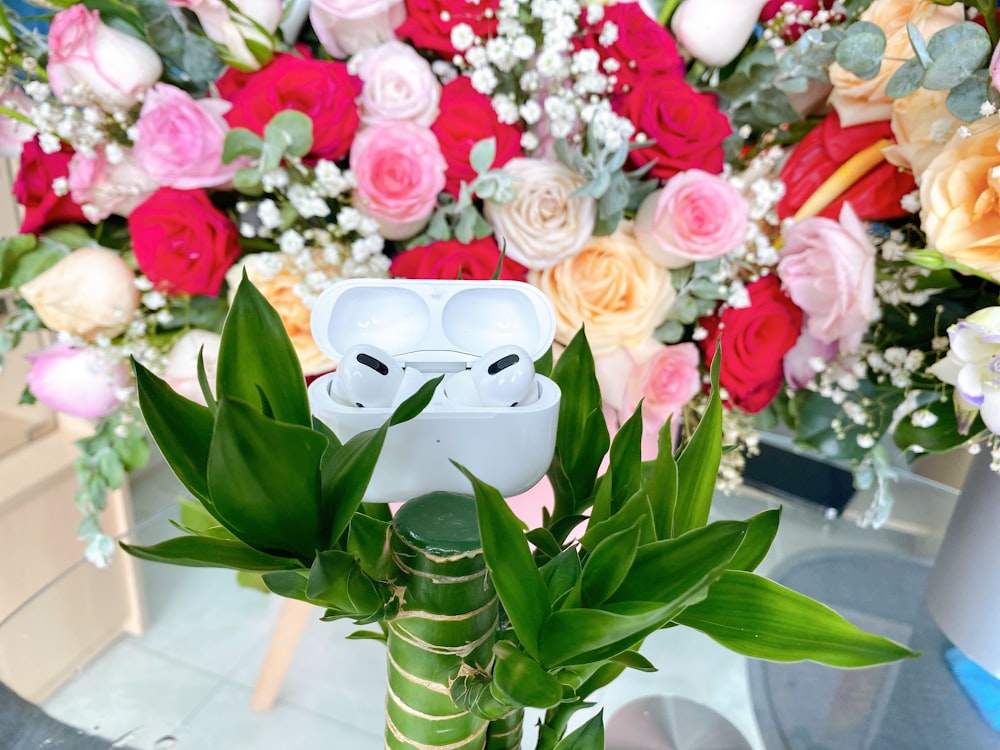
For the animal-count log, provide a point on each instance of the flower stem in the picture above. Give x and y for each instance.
(667, 11)
(846, 175)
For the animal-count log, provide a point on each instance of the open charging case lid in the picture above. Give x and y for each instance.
(432, 324)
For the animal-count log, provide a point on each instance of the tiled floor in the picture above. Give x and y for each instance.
(186, 682)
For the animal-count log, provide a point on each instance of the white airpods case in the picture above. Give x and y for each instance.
(436, 327)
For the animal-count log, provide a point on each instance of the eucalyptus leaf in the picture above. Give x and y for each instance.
(756, 617)
(482, 155)
(861, 50)
(908, 78)
(240, 142)
(966, 100)
(293, 130)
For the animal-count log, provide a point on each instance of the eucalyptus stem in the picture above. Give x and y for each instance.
(445, 628)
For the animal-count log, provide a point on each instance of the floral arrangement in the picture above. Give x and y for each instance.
(811, 185)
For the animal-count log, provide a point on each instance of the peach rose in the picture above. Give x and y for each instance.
(545, 224)
(921, 125)
(612, 287)
(87, 293)
(960, 199)
(277, 281)
(858, 101)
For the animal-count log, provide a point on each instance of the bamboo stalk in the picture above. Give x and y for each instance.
(446, 626)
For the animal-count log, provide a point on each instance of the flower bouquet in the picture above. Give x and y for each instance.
(664, 188)
(480, 619)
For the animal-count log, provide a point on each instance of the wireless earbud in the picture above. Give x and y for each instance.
(367, 377)
(504, 376)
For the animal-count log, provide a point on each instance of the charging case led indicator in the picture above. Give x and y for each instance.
(437, 327)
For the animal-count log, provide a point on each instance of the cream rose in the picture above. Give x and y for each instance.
(922, 125)
(612, 287)
(345, 27)
(277, 282)
(545, 224)
(398, 85)
(960, 199)
(858, 101)
(89, 292)
(715, 31)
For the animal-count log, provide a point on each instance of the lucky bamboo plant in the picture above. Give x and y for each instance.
(481, 618)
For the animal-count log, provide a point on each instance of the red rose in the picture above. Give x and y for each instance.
(322, 89)
(685, 127)
(182, 242)
(642, 48)
(33, 188)
(877, 195)
(429, 23)
(450, 259)
(466, 118)
(754, 342)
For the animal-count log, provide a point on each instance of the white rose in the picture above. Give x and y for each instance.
(398, 85)
(545, 224)
(252, 21)
(345, 27)
(714, 31)
(89, 292)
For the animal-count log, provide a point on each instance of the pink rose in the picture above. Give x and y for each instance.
(995, 68)
(102, 188)
(695, 216)
(244, 30)
(828, 270)
(96, 62)
(78, 382)
(180, 139)
(663, 377)
(398, 85)
(348, 26)
(804, 360)
(399, 171)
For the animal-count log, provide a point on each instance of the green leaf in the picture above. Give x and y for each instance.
(966, 99)
(368, 540)
(679, 570)
(590, 736)
(761, 530)
(582, 437)
(637, 510)
(908, 78)
(560, 575)
(22, 258)
(608, 565)
(207, 552)
(861, 51)
(347, 470)
(263, 478)
(634, 660)
(512, 569)
(959, 51)
(337, 581)
(698, 463)
(257, 363)
(662, 485)
(290, 584)
(181, 429)
(756, 617)
(240, 142)
(583, 636)
(366, 635)
(293, 129)
(544, 541)
(521, 679)
(195, 519)
(626, 460)
(482, 155)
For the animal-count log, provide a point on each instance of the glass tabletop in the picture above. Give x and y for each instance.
(183, 667)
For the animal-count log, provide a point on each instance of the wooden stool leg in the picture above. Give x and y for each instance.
(287, 631)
